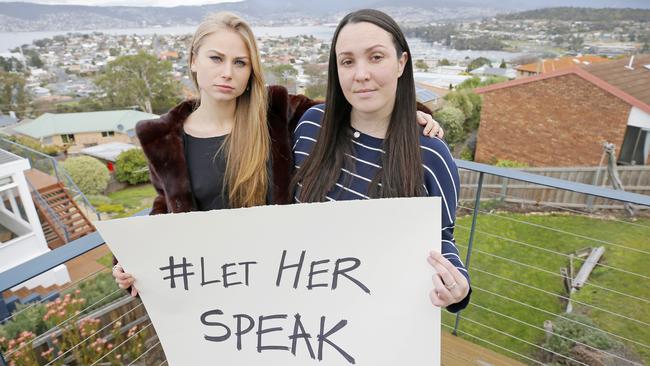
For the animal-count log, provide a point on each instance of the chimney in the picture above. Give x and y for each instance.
(629, 66)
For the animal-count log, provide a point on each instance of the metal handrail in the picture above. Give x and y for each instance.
(60, 174)
(51, 213)
(36, 266)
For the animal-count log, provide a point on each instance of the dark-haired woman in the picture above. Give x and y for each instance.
(364, 144)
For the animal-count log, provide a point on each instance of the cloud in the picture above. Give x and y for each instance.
(164, 3)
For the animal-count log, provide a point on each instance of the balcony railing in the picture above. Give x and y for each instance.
(514, 249)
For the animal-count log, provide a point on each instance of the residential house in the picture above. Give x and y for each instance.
(556, 64)
(562, 118)
(486, 70)
(76, 131)
(108, 153)
(21, 235)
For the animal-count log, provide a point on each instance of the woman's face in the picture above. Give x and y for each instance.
(368, 67)
(222, 65)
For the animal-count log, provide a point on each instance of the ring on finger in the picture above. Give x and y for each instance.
(452, 286)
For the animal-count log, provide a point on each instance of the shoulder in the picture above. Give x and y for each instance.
(435, 152)
(310, 122)
(314, 114)
(150, 130)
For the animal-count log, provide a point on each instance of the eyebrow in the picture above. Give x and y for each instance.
(366, 51)
(223, 54)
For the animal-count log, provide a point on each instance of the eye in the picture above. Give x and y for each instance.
(377, 57)
(215, 58)
(345, 62)
(240, 63)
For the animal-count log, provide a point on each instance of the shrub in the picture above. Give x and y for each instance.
(131, 167)
(98, 199)
(88, 173)
(574, 331)
(110, 208)
(451, 119)
(504, 163)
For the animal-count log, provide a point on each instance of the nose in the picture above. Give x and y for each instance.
(361, 72)
(226, 71)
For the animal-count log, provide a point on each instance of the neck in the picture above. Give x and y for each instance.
(374, 124)
(214, 117)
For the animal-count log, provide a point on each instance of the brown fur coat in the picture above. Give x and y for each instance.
(162, 143)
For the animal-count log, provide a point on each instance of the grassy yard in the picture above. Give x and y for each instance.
(497, 281)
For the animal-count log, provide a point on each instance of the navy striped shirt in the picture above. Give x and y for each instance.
(440, 177)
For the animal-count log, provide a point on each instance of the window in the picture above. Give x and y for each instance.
(68, 139)
(108, 133)
(635, 146)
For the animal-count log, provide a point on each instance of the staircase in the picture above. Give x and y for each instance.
(61, 218)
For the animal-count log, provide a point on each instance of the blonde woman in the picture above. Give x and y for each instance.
(231, 147)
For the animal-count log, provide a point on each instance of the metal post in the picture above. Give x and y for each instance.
(471, 237)
(56, 170)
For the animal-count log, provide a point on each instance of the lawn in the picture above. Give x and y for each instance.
(499, 282)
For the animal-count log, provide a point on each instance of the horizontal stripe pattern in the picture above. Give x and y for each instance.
(440, 176)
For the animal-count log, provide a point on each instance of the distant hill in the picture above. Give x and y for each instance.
(22, 16)
(582, 14)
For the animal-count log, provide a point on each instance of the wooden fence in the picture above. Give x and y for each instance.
(635, 179)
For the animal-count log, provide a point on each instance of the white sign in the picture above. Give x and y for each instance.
(309, 284)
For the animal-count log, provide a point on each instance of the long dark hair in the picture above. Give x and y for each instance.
(401, 174)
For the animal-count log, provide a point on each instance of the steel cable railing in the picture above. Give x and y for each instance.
(586, 283)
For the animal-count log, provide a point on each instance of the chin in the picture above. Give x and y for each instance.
(367, 106)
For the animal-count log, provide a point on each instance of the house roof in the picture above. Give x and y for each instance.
(634, 81)
(555, 64)
(629, 85)
(109, 151)
(50, 124)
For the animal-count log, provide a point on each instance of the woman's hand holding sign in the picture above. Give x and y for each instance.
(124, 280)
(449, 285)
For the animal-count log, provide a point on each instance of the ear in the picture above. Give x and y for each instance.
(401, 63)
(193, 65)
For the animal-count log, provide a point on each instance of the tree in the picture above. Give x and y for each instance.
(451, 119)
(478, 62)
(283, 71)
(140, 79)
(131, 167)
(316, 90)
(88, 173)
(13, 95)
(444, 62)
(420, 64)
(503, 64)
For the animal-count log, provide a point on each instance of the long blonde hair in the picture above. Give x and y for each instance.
(248, 145)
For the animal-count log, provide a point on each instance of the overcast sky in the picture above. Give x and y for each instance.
(128, 2)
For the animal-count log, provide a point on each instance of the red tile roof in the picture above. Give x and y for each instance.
(630, 85)
(550, 65)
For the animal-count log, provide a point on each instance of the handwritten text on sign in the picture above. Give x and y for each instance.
(328, 284)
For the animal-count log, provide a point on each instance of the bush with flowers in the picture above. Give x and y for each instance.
(74, 339)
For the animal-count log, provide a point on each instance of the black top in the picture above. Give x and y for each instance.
(206, 169)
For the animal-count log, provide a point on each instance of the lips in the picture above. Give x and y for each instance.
(224, 87)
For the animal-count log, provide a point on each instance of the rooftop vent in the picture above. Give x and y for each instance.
(629, 66)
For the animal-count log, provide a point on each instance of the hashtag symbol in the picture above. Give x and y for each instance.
(173, 275)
